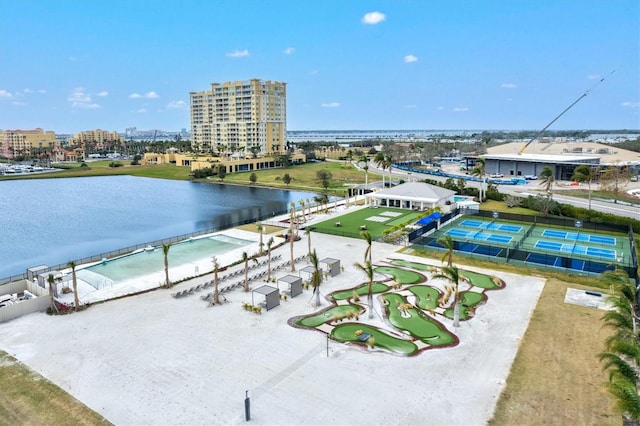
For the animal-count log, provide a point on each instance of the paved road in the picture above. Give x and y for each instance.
(533, 188)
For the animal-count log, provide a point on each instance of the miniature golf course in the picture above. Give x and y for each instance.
(414, 312)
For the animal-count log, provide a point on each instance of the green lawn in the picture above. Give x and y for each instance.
(350, 223)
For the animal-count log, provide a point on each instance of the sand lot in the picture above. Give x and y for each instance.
(153, 359)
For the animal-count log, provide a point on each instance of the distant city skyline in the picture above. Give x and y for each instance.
(377, 65)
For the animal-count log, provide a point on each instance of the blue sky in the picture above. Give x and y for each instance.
(75, 65)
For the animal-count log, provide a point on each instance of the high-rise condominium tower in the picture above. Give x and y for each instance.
(249, 116)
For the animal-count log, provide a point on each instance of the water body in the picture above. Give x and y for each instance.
(52, 221)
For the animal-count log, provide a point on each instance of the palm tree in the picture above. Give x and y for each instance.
(379, 160)
(291, 237)
(269, 244)
(76, 300)
(479, 171)
(165, 252)
(260, 228)
(388, 160)
(547, 180)
(365, 160)
(367, 268)
(316, 276)
(52, 283)
(245, 259)
(622, 356)
(452, 274)
(301, 202)
(216, 293)
(584, 173)
(367, 237)
(307, 231)
(447, 243)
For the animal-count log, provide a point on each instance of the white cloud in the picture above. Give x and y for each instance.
(4, 94)
(373, 18)
(508, 85)
(103, 93)
(593, 77)
(141, 110)
(460, 109)
(630, 104)
(313, 72)
(27, 90)
(176, 105)
(72, 59)
(440, 108)
(289, 50)
(18, 103)
(330, 105)
(410, 106)
(81, 100)
(238, 53)
(148, 95)
(410, 58)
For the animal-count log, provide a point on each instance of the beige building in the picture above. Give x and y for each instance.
(231, 164)
(16, 143)
(97, 140)
(240, 117)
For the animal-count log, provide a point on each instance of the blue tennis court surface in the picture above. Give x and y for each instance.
(479, 235)
(577, 249)
(575, 236)
(491, 226)
(575, 264)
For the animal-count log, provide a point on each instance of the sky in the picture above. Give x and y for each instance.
(70, 66)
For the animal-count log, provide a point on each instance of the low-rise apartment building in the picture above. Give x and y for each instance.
(25, 143)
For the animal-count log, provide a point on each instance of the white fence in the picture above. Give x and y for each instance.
(37, 304)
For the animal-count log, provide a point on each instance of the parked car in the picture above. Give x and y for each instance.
(497, 175)
(531, 177)
(634, 178)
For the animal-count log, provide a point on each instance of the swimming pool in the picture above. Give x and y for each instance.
(146, 261)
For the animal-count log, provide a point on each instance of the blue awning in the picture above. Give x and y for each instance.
(428, 219)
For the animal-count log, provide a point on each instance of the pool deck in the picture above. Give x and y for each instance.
(155, 359)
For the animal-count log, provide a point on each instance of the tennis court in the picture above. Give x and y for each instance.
(576, 249)
(493, 226)
(576, 236)
(479, 235)
(505, 240)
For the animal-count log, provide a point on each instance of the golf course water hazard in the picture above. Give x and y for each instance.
(415, 308)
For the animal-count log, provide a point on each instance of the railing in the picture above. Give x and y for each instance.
(125, 250)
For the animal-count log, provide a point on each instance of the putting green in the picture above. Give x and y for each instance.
(414, 265)
(328, 315)
(416, 323)
(347, 333)
(360, 291)
(427, 296)
(482, 280)
(401, 275)
(468, 301)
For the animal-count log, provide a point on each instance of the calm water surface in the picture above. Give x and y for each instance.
(52, 221)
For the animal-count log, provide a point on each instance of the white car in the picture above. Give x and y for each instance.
(531, 177)
(497, 175)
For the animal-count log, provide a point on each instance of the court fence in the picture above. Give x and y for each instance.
(522, 250)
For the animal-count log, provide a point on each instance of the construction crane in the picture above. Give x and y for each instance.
(584, 95)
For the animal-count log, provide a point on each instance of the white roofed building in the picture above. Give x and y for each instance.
(414, 196)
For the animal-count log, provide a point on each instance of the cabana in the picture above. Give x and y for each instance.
(307, 270)
(271, 296)
(333, 266)
(295, 284)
